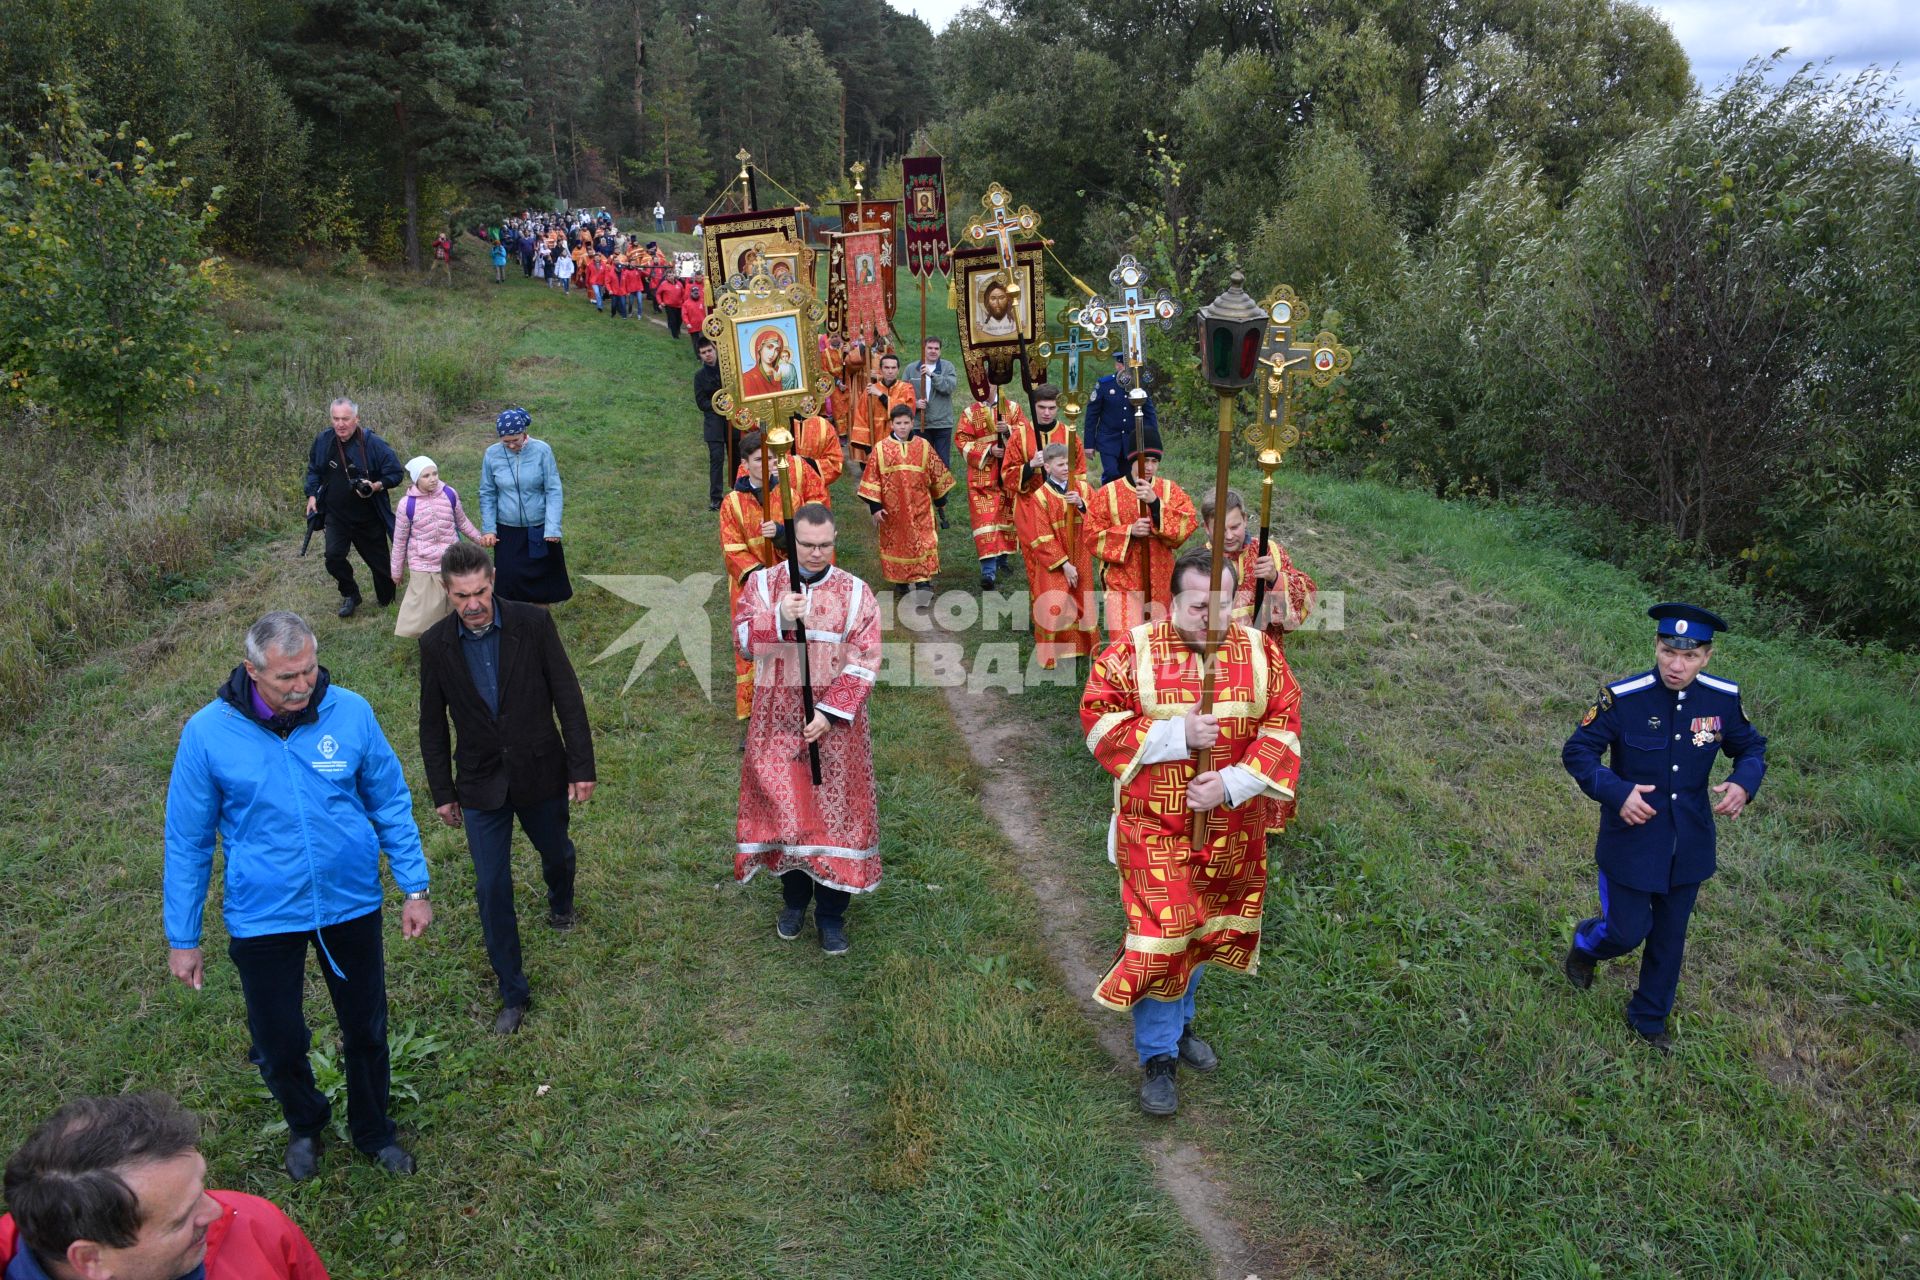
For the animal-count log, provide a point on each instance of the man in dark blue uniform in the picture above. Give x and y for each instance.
(1660, 732)
(1110, 420)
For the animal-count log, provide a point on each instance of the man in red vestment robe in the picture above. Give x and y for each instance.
(823, 842)
(1189, 841)
(1137, 525)
(873, 410)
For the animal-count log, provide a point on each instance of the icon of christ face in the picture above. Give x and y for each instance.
(999, 321)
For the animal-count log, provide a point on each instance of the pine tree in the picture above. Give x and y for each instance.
(422, 79)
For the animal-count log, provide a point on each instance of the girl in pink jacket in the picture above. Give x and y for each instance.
(430, 520)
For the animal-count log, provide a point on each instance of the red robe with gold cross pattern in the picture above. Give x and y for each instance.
(1185, 908)
(1130, 594)
(819, 444)
(989, 506)
(785, 823)
(1026, 440)
(1063, 621)
(741, 516)
(1289, 598)
(906, 477)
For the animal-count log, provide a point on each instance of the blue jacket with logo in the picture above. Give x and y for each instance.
(1670, 738)
(302, 818)
(1110, 417)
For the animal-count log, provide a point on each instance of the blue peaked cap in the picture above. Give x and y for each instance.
(1686, 626)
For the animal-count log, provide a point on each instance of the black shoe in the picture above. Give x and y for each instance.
(988, 582)
(833, 937)
(561, 920)
(303, 1158)
(1197, 1053)
(348, 605)
(510, 1019)
(788, 925)
(1659, 1040)
(943, 519)
(394, 1159)
(714, 505)
(1159, 1095)
(1578, 966)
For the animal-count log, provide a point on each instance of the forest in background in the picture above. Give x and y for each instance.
(1688, 323)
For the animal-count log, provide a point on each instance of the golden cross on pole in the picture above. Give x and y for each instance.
(1272, 434)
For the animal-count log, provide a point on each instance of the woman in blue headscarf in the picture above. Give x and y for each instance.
(520, 503)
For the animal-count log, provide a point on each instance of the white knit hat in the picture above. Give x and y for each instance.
(416, 465)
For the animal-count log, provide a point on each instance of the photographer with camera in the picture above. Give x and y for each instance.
(349, 471)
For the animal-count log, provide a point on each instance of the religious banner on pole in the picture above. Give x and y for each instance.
(1003, 315)
(925, 217)
(836, 285)
(880, 217)
(862, 257)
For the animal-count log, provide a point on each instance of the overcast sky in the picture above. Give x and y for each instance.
(1720, 35)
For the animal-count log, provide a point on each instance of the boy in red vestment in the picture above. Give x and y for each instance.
(1290, 592)
(1021, 472)
(903, 483)
(1137, 525)
(822, 841)
(1053, 542)
(989, 506)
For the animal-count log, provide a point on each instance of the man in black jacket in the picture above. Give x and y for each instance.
(706, 381)
(499, 670)
(350, 472)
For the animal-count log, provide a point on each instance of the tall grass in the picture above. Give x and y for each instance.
(97, 533)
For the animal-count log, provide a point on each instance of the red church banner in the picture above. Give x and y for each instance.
(926, 214)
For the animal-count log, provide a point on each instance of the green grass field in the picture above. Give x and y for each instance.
(1410, 1089)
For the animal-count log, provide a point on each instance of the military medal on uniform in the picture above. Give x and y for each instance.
(1706, 730)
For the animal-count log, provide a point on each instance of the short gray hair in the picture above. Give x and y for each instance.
(279, 632)
(337, 401)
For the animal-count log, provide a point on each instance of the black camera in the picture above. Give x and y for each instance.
(363, 487)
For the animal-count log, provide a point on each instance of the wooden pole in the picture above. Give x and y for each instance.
(1216, 624)
(799, 633)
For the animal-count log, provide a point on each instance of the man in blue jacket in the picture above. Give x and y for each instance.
(351, 473)
(1660, 732)
(1110, 420)
(299, 784)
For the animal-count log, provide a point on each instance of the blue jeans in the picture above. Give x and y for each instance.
(1630, 917)
(490, 844)
(1158, 1024)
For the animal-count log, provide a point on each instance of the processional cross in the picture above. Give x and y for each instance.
(1270, 433)
(1133, 312)
(1001, 224)
(1067, 353)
